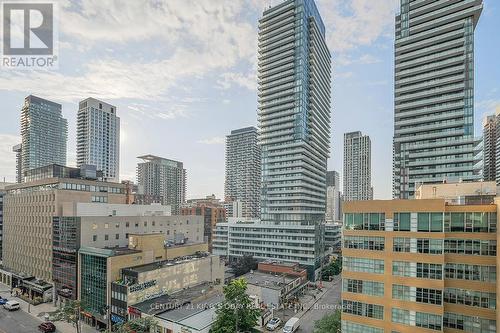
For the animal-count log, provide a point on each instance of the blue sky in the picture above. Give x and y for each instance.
(182, 74)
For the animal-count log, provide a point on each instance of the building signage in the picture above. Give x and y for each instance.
(142, 286)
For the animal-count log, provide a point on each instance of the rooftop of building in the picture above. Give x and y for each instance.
(181, 304)
(456, 189)
(268, 280)
(244, 130)
(166, 263)
(107, 252)
(154, 158)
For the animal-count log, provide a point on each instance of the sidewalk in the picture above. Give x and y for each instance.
(39, 311)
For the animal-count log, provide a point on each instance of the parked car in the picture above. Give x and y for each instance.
(11, 305)
(273, 324)
(3, 300)
(47, 327)
(291, 325)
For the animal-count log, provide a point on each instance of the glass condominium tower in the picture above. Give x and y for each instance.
(44, 134)
(294, 119)
(434, 93)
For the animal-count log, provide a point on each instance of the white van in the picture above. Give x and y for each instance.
(11, 305)
(291, 325)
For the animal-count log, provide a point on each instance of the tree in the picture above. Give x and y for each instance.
(330, 323)
(243, 265)
(334, 268)
(237, 312)
(138, 325)
(70, 313)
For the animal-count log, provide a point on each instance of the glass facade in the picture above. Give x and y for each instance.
(434, 94)
(65, 245)
(44, 134)
(93, 283)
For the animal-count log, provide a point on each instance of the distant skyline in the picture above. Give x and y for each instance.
(182, 76)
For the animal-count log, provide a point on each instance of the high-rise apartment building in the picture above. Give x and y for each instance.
(333, 197)
(98, 137)
(357, 167)
(44, 135)
(294, 118)
(491, 147)
(421, 265)
(243, 170)
(161, 177)
(434, 93)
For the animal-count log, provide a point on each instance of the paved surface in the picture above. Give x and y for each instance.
(326, 304)
(17, 322)
(24, 321)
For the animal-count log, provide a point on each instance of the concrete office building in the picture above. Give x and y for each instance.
(333, 197)
(357, 167)
(98, 137)
(161, 177)
(30, 207)
(243, 171)
(434, 94)
(44, 135)
(2, 194)
(88, 226)
(421, 265)
(294, 76)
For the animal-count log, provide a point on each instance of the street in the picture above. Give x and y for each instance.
(325, 305)
(17, 322)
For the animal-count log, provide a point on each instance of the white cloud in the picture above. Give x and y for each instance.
(227, 80)
(217, 140)
(355, 23)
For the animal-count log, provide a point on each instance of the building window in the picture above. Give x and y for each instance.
(363, 309)
(401, 221)
(364, 243)
(127, 224)
(364, 221)
(469, 323)
(106, 237)
(117, 236)
(363, 265)
(94, 238)
(471, 272)
(372, 288)
(470, 297)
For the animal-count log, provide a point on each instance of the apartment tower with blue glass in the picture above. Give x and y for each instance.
(434, 93)
(294, 119)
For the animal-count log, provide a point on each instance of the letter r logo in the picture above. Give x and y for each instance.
(28, 28)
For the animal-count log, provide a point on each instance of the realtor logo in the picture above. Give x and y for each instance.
(28, 35)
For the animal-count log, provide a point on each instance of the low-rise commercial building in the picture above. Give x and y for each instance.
(421, 265)
(143, 249)
(112, 230)
(150, 281)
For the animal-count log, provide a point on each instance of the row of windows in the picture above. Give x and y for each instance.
(363, 309)
(418, 245)
(450, 222)
(470, 298)
(372, 288)
(350, 327)
(420, 295)
(363, 265)
(471, 246)
(420, 270)
(419, 319)
(469, 323)
(364, 243)
(364, 221)
(90, 188)
(471, 272)
(98, 198)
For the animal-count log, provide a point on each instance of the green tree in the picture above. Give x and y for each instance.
(237, 312)
(329, 323)
(243, 265)
(332, 269)
(139, 325)
(70, 313)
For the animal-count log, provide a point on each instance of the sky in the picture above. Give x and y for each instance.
(182, 74)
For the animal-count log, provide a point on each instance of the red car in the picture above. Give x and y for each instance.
(47, 327)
